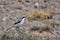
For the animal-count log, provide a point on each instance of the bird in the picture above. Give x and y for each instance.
(18, 22)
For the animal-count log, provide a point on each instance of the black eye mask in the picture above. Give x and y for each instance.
(23, 17)
(19, 20)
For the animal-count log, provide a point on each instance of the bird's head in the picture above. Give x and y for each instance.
(23, 17)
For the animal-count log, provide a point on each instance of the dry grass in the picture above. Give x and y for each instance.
(48, 25)
(39, 15)
(20, 37)
(48, 28)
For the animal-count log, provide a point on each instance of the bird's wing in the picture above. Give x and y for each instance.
(18, 21)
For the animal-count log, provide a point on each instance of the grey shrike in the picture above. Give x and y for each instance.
(18, 23)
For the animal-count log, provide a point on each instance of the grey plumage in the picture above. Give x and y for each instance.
(18, 23)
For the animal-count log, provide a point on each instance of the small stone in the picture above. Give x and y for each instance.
(44, 1)
(27, 1)
(36, 4)
(4, 19)
(35, 28)
(19, 0)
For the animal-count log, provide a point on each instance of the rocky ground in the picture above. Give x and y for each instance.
(10, 10)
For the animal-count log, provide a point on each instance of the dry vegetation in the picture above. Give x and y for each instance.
(43, 28)
(40, 19)
(39, 15)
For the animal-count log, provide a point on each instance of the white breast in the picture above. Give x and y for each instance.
(22, 21)
(19, 24)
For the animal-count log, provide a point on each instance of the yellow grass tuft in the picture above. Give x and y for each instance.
(39, 15)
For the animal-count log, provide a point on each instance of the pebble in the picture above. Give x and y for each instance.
(4, 19)
(36, 4)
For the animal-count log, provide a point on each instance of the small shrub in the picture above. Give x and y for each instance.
(39, 15)
(43, 28)
(48, 27)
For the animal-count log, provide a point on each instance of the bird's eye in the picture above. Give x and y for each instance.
(24, 17)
